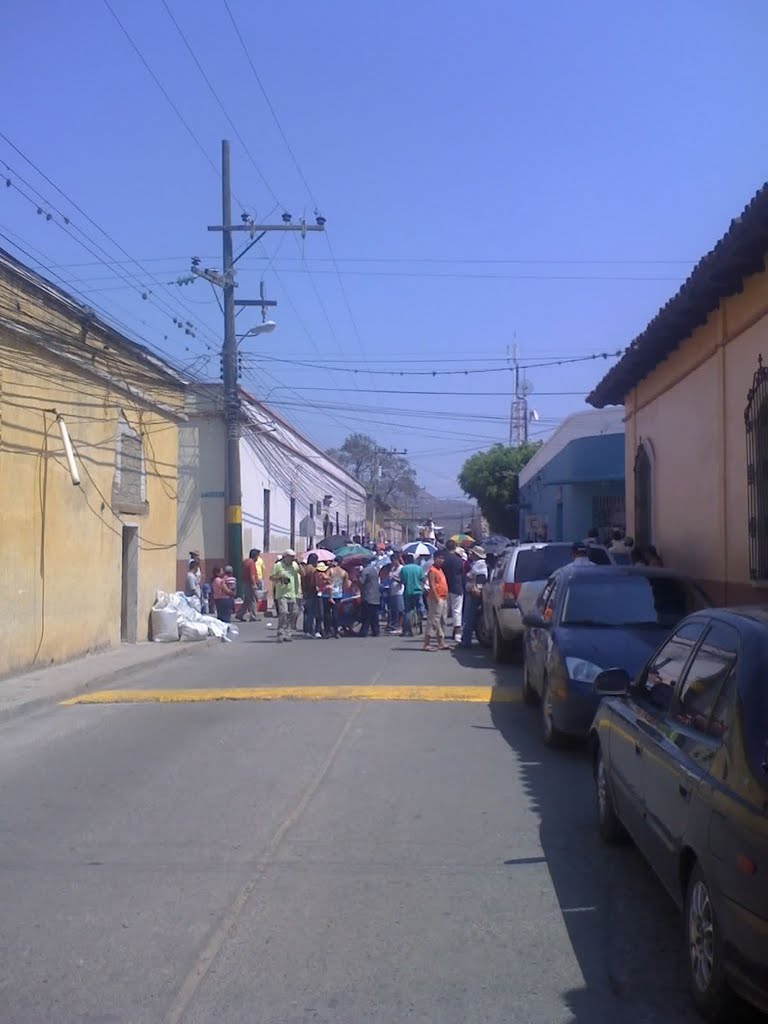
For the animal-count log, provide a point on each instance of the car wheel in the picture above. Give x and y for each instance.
(704, 946)
(529, 694)
(502, 649)
(611, 829)
(552, 735)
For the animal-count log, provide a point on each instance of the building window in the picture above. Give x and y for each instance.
(129, 486)
(267, 519)
(644, 495)
(756, 425)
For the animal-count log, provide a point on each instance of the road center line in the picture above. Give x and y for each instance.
(212, 948)
(370, 692)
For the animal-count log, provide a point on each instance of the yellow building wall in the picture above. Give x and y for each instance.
(61, 545)
(691, 409)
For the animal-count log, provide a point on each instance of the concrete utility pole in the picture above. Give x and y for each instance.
(233, 486)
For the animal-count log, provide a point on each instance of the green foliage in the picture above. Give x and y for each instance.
(394, 477)
(490, 478)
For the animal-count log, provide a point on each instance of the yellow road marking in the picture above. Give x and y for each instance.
(471, 694)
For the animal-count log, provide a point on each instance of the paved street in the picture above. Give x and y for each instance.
(317, 861)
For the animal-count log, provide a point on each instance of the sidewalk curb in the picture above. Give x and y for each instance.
(104, 679)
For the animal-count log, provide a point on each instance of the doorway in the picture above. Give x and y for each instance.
(129, 586)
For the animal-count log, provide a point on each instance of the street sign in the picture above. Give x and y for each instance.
(307, 527)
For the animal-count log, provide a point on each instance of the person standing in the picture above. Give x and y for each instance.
(287, 585)
(312, 614)
(249, 587)
(339, 584)
(396, 603)
(476, 578)
(371, 595)
(453, 567)
(192, 586)
(437, 594)
(322, 581)
(412, 578)
(224, 590)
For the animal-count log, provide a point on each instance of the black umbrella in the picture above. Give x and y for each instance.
(333, 542)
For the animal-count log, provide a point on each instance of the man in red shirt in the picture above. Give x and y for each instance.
(250, 586)
(437, 593)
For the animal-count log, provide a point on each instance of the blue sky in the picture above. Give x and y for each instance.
(498, 173)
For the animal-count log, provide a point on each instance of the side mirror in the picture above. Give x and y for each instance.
(535, 621)
(613, 682)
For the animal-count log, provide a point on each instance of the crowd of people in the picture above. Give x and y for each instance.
(394, 592)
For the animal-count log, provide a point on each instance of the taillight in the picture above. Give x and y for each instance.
(511, 590)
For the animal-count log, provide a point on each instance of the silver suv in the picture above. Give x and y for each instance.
(515, 583)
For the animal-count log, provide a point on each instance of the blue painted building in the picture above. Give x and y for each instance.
(575, 481)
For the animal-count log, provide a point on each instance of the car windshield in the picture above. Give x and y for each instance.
(629, 601)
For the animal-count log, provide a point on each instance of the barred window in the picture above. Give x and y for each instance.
(756, 425)
(129, 486)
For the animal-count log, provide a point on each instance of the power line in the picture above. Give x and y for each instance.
(216, 96)
(267, 100)
(443, 394)
(437, 373)
(163, 90)
(107, 261)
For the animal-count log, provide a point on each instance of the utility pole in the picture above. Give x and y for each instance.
(229, 352)
(376, 453)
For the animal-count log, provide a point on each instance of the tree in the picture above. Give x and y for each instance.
(491, 479)
(391, 477)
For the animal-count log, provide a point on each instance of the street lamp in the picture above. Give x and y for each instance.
(266, 327)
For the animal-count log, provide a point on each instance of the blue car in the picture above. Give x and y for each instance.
(589, 618)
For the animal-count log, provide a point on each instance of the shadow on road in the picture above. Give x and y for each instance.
(625, 932)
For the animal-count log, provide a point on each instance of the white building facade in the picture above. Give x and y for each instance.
(286, 479)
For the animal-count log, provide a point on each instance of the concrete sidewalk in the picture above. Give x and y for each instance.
(32, 690)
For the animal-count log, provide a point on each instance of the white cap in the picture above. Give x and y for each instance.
(290, 551)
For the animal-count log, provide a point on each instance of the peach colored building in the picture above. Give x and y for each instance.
(695, 392)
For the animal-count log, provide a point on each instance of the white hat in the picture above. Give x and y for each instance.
(289, 551)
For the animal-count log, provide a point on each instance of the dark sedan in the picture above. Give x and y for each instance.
(681, 763)
(589, 618)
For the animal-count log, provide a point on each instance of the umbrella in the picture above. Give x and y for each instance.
(382, 560)
(417, 548)
(495, 543)
(352, 562)
(334, 542)
(354, 549)
(461, 537)
(323, 555)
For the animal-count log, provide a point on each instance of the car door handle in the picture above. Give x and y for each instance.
(683, 790)
(638, 750)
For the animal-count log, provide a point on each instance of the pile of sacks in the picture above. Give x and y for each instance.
(177, 617)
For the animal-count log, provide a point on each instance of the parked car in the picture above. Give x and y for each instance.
(589, 618)
(517, 579)
(681, 763)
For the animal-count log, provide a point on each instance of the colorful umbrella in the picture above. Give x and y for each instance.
(461, 537)
(417, 548)
(354, 549)
(323, 555)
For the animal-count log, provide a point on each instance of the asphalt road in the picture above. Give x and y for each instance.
(317, 861)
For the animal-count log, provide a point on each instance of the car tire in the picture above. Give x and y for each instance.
(553, 738)
(502, 649)
(609, 823)
(705, 953)
(530, 696)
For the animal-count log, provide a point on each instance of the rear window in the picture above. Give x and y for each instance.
(540, 563)
(630, 601)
